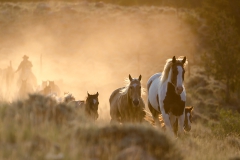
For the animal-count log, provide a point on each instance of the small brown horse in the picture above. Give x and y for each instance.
(45, 88)
(126, 103)
(90, 105)
(54, 88)
(49, 87)
(187, 120)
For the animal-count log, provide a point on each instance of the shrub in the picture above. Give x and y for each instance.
(125, 142)
(196, 82)
(229, 123)
(204, 91)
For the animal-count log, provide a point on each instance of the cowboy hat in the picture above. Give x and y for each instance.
(25, 57)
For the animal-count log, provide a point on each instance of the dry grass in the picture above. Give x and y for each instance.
(202, 143)
(27, 133)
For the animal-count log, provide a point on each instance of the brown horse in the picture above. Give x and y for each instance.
(126, 103)
(45, 88)
(68, 97)
(89, 106)
(54, 88)
(49, 88)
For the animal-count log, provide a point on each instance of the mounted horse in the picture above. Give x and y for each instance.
(167, 95)
(126, 103)
(25, 89)
(89, 106)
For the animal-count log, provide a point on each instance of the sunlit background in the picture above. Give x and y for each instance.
(85, 47)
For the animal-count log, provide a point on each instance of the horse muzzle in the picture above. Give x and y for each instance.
(136, 102)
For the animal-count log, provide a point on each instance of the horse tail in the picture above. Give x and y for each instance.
(152, 78)
(148, 85)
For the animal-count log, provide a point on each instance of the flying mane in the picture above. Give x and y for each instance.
(124, 90)
(167, 68)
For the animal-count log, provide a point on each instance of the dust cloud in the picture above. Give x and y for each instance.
(92, 48)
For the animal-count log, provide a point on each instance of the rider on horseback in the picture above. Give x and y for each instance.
(26, 72)
(25, 64)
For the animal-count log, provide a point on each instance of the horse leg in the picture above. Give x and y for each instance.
(175, 127)
(114, 119)
(174, 123)
(167, 123)
(140, 116)
(115, 116)
(155, 114)
(181, 123)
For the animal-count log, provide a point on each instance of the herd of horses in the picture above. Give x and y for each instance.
(166, 99)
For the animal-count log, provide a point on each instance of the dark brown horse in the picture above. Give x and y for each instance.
(89, 106)
(126, 103)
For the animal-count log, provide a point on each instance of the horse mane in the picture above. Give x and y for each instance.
(124, 90)
(168, 66)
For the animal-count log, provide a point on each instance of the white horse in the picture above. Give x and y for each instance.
(167, 95)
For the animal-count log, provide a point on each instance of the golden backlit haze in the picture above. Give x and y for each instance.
(89, 48)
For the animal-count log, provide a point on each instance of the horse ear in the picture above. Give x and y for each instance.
(184, 60)
(174, 59)
(140, 77)
(97, 94)
(130, 77)
(88, 94)
(191, 108)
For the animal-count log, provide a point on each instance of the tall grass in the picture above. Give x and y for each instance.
(34, 129)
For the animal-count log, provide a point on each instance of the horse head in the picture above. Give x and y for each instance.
(177, 75)
(44, 84)
(188, 118)
(92, 105)
(134, 90)
(51, 83)
(47, 90)
(68, 97)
